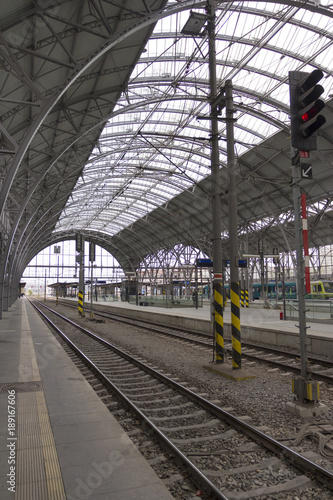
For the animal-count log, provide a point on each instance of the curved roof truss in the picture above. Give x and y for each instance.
(95, 138)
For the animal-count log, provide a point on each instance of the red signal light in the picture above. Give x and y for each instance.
(305, 107)
(311, 112)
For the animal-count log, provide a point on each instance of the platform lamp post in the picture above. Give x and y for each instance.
(193, 27)
(57, 251)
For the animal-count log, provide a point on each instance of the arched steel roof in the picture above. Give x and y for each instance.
(104, 127)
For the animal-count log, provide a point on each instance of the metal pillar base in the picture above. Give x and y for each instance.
(307, 391)
(306, 410)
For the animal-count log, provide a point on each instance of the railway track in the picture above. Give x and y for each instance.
(321, 369)
(221, 453)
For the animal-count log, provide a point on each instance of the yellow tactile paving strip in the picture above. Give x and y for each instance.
(38, 471)
(39, 476)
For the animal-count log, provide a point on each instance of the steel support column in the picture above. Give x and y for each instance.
(233, 236)
(296, 178)
(81, 282)
(215, 190)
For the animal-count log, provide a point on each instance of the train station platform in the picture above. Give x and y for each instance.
(257, 324)
(58, 441)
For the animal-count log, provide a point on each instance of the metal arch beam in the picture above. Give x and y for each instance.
(124, 147)
(67, 148)
(23, 206)
(43, 238)
(203, 83)
(263, 160)
(175, 136)
(275, 215)
(251, 94)
(145, 233)
(123, 110)
(241, 90)
(139, 173)
(93, 236)
(140, 239)
(37, 208)
(247, 9)
(165, 80)
(42, 228)
(34, 187)
(198, 3)
(86, 188)
(28, 221)
(48, 104)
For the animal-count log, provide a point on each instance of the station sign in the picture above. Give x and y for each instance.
(204, 263)
(241, 263)
(306, 171)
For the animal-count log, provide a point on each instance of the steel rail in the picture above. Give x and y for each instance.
(198, 477)
(299, 461)
(149, 325)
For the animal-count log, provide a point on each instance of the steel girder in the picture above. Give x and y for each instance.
(61, 90)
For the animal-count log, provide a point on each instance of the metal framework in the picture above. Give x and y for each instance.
(104, 128)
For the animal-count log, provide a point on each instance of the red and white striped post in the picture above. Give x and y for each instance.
(305, 244)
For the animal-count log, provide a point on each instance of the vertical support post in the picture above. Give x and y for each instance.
(57, 251)
(91, 289)
(319, 264)
(81, 281)
(277, 266)
(306, 390)
(296, 177)
(277, 282)
(262, 271)
(5, 297)
(283, 289)
(242, 289)
(196, 296)
(137, 289)
(247, 270)
(215, 190)
(57, 293)
(306, 244)
(233, 236)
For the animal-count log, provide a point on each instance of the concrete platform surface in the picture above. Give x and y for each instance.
(57, 439)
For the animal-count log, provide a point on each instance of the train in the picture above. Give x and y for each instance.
(322, 289)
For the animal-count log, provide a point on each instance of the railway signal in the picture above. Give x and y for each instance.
(305, 107)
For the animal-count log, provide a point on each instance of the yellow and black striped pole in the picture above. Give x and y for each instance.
(242, 298)
(233, 236)
(80, 259)
(235, 326)
(246, 298)
(215, 98)
(218, 319)
(80, 304)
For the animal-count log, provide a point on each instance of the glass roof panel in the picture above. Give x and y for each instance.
(157, 143)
